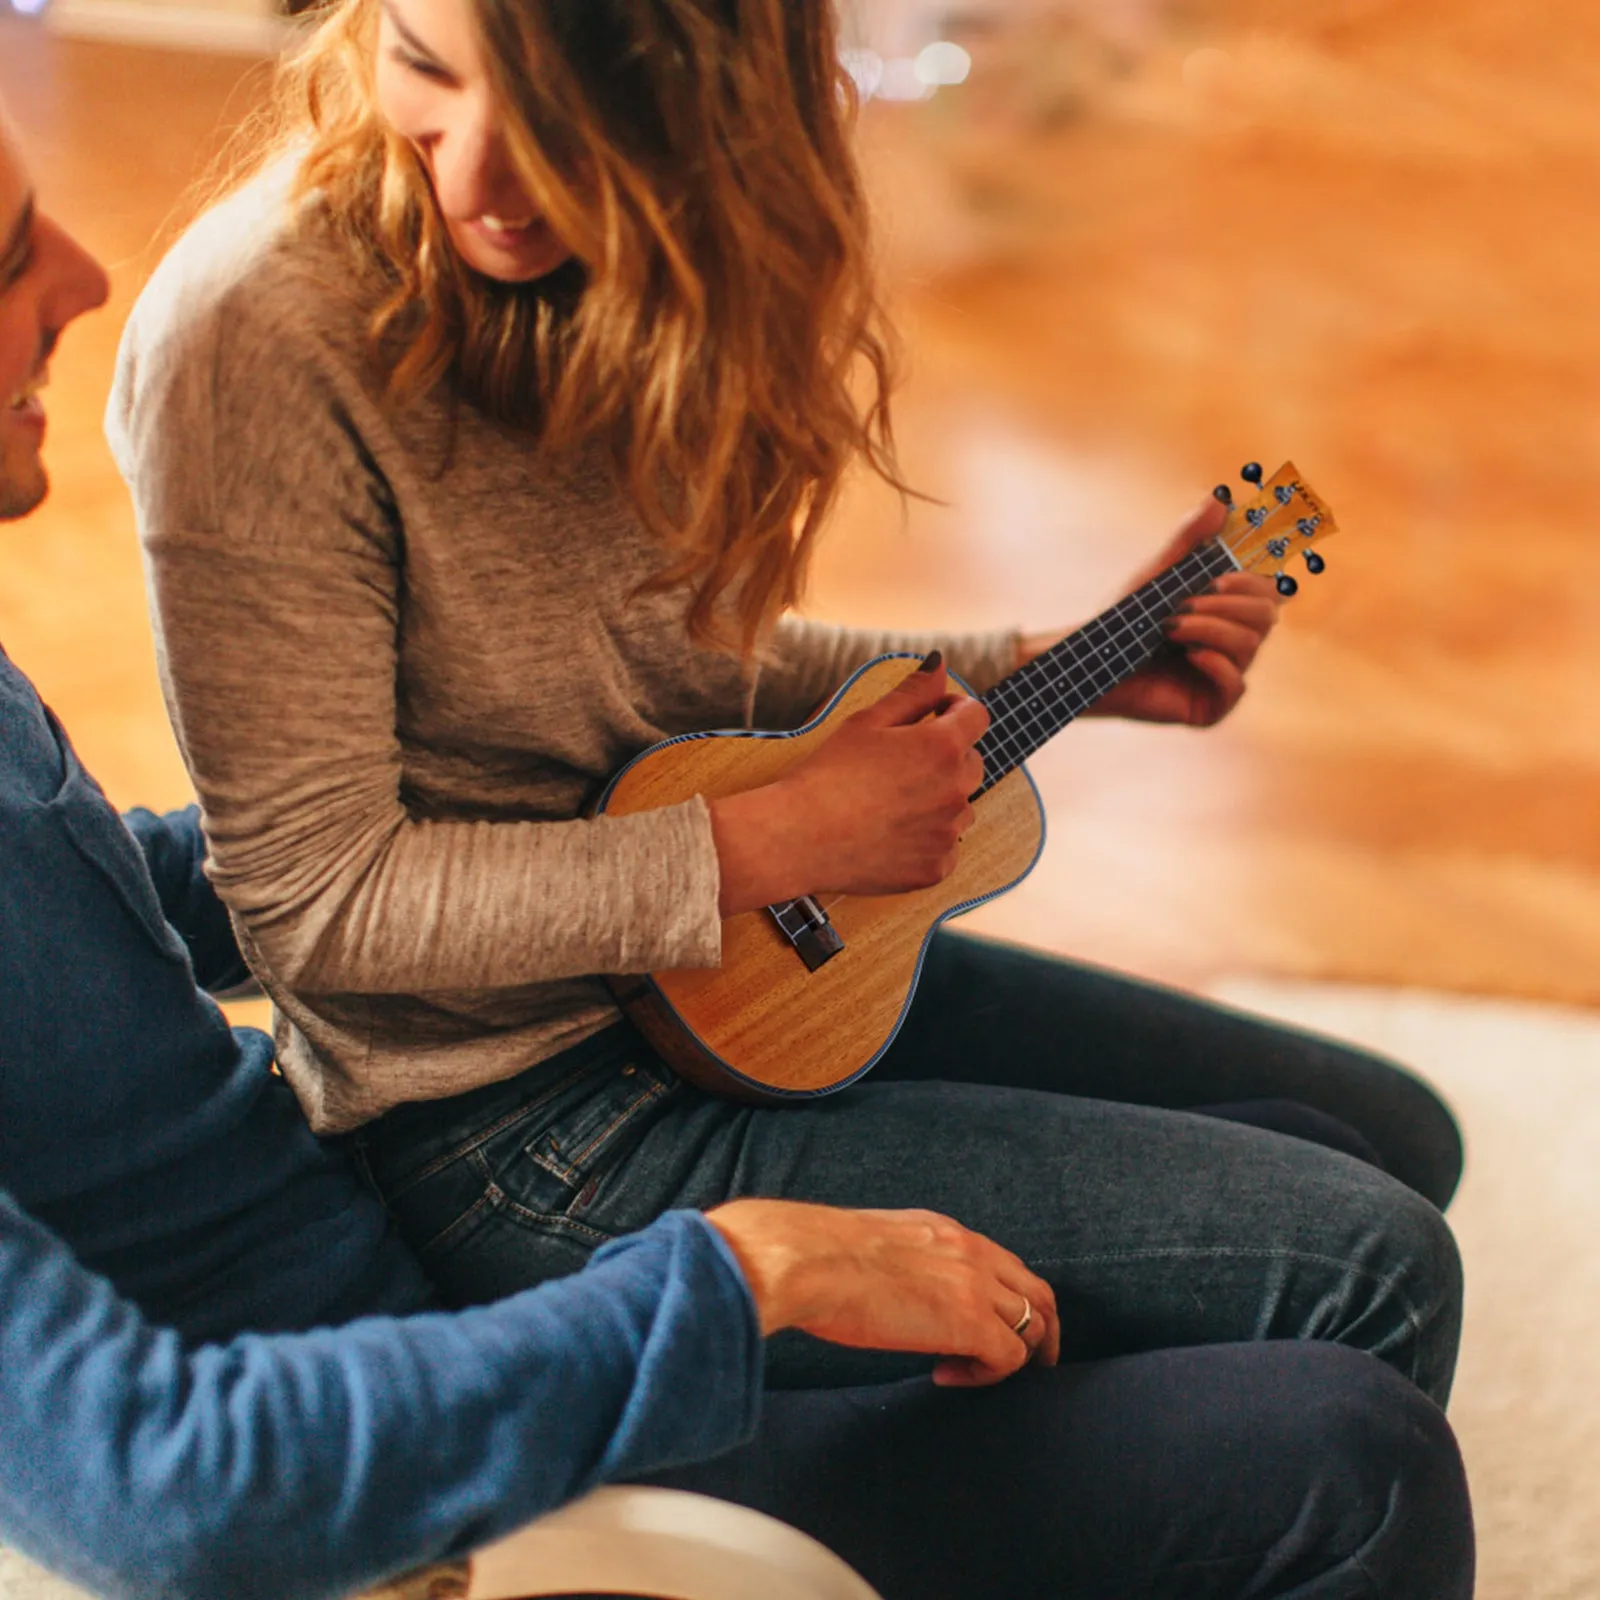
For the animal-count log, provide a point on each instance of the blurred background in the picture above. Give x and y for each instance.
(1143, 242)
(1133, 244)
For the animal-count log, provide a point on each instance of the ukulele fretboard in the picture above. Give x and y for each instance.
(1039, 699)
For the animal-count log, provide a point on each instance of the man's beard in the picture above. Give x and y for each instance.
(17, 499)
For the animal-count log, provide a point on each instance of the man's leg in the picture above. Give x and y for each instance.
(1237, 1472)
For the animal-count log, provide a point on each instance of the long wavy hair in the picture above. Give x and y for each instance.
(719, 335)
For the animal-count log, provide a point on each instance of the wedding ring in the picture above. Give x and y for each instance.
(1020, 1326)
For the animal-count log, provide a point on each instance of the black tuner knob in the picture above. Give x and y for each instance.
(1251, 472)
(1286, 585)
(1314, 562)
(1223, 493)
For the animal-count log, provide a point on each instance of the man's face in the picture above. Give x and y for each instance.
(45, 281)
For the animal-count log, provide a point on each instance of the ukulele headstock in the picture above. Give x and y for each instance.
(1283, 519)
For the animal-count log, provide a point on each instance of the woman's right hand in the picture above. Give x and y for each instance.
(877, 808)
(893, 1280)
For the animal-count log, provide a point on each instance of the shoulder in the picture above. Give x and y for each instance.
(253, 285)
(254, 323)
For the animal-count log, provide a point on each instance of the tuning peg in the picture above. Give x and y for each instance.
(1223, 493)
(1286, 585)
(1314, 562)
(1251, 472)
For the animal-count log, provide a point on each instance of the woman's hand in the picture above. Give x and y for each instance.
(1215, 637)
(893, 1280)
(877, 808)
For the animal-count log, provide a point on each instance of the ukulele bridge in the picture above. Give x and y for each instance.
(807, 927)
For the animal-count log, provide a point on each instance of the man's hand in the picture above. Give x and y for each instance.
(1212, 639)
(894, 1280)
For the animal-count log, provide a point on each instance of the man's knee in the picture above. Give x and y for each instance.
(1388, 1490)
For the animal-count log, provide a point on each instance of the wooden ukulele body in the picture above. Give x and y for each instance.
(762, 1026)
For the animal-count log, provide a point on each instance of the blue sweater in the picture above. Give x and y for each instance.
(160, 1195)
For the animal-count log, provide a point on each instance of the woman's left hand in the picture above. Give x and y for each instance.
(1212, 640)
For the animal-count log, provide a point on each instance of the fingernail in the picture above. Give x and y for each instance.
(932, 661)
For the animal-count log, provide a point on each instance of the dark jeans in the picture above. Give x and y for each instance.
(1030, 1099)
(1209, 1435)
(1232, 1472)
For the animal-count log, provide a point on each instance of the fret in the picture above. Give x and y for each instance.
(1039, 699)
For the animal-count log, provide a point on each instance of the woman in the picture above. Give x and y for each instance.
(480, 441)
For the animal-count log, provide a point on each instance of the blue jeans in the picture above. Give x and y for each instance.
(1045, 1104)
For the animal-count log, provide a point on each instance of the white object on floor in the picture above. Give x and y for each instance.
(658, 1542)
(20, 1579)
(663, 1542)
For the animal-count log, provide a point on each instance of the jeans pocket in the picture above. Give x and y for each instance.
(500, 1195)
(554, 1170)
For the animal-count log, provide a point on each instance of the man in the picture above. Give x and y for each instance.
(186, 1409)
(134, 1123)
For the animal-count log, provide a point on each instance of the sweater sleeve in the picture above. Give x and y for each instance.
(320, 1463)
(274, 553)
(809, 660)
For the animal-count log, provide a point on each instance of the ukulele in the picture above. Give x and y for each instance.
(812, 991)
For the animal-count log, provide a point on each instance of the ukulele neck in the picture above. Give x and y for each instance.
(1040, 698)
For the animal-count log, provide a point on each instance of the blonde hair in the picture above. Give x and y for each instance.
(722, 340)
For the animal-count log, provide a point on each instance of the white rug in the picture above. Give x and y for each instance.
(21, 1580)
(1525, 1082)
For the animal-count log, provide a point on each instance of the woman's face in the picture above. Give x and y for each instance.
(433, 91)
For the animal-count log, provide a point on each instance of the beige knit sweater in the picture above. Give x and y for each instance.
(400, 656)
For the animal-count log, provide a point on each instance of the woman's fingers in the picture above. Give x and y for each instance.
(1196, 631)
(1259, 612)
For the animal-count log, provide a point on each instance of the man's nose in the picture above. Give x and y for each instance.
(76, 282)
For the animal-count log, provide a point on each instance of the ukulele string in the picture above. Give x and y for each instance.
(1032, 705)
(1040, 698)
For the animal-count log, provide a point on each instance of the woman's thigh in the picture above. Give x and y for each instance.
(1155, 1227)
(994, 1013)
(1277, 1470)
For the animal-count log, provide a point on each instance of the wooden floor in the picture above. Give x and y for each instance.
(1131, 254)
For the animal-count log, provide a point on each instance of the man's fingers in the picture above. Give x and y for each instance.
(962, 1372)
(1040, 1330)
